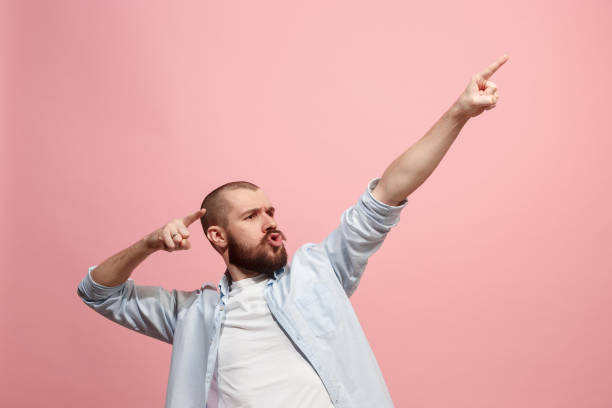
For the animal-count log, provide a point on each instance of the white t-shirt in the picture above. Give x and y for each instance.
(258, 365)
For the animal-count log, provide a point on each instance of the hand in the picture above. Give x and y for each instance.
(480, 94)
(174, 235)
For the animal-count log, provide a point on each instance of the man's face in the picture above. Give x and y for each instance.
(253, 240)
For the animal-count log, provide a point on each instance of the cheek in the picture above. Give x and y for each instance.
(249, 236)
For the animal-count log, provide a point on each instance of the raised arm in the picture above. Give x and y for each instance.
(406, 173)
(150, 310)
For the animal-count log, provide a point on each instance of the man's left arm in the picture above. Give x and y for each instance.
(406, 173)
(364, 226)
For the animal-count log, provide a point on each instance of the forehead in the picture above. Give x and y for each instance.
(242, 199)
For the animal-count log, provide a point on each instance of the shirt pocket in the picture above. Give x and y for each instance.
(319, 307)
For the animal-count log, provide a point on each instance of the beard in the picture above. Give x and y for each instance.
(263, 258)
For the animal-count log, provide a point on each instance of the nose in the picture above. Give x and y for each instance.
(269, 223)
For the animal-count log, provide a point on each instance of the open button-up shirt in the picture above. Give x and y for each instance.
(309, 298)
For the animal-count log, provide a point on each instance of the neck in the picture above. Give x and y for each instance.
(237, 273)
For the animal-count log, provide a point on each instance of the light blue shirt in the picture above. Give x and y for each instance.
(309, 297)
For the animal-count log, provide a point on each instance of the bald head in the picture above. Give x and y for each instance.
(218, 206)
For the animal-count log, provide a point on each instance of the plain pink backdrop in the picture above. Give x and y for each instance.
(493, 291)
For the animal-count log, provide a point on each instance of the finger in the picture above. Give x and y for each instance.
(490, 70)
(167, 239)
(185, 244)
(176, 237)
(484, 100)
(188, 220)
(182, 230)
(490, 88)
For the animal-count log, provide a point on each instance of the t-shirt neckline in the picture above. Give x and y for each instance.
(242, 283)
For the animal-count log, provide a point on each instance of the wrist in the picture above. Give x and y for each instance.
(457, 113)
(145, 247)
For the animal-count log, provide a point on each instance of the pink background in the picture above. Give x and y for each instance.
(493, 291)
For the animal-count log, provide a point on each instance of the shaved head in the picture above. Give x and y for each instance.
(218, 206)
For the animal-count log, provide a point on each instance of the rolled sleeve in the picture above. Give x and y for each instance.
(384, 214)
(91, 290)
(149, 310)
(362, 230)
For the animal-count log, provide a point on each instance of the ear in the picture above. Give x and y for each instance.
(217, 236)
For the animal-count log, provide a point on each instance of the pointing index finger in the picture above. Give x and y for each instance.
(490, 70)
(188, 220)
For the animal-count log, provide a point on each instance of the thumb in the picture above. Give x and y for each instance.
(185, 244)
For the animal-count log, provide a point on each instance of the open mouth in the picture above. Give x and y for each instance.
(275, 239)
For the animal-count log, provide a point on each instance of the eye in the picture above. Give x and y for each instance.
(252, 215)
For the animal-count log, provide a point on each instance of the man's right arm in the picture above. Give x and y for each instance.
(150, 310)
(118, 268)
(172, 236)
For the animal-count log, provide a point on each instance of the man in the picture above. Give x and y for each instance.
(275, 335)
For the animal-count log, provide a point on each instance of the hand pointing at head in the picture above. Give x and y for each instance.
(174, 235)
(481, 93)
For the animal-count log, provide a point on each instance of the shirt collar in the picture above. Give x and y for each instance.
(224, 284)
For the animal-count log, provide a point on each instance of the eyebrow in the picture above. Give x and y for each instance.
(255, 209)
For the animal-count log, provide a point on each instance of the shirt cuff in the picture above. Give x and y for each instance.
(388, 215)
